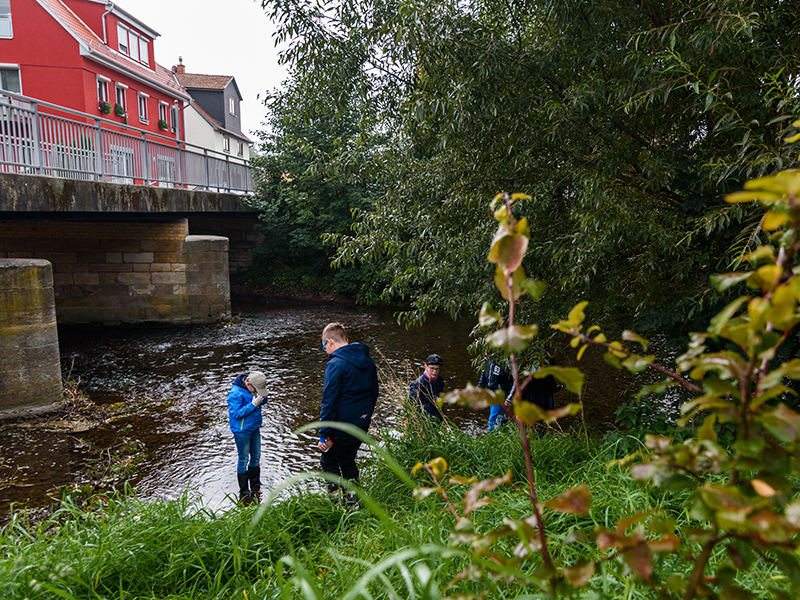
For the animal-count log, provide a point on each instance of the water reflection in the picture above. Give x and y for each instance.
(188, 372)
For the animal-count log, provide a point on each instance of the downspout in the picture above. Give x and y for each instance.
(110, 7)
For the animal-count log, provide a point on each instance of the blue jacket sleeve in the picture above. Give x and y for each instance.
(330, 397)
(483, 381)
(239, 405)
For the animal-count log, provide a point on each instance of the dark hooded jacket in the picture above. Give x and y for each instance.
(351, 388)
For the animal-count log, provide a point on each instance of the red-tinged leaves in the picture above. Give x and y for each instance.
(625, 522)
(639, 559)
(668, 543)
(782, 422)
(472, 499)
(575, 501)
(580, 574)
(508, 248)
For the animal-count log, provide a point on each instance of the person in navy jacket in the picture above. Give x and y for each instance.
(248, 392)
(426, 389)
(493, 377)
(349, 395)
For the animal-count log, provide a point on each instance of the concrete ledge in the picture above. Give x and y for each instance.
(38, 193)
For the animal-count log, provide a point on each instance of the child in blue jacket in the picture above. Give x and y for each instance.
(247, 394)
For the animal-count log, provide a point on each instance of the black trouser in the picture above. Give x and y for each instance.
(341, 458)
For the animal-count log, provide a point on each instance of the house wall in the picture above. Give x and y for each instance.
(52, 69)
(232, 122)
(212, 103)
(199, 132)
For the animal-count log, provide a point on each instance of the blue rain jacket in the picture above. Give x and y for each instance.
(243, 417)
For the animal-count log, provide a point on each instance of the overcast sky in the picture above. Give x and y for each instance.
(217, 37)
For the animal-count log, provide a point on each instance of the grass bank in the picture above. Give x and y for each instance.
(306, 547)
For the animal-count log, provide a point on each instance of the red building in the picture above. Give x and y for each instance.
(82, 54)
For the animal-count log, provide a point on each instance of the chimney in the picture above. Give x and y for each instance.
(181, 68)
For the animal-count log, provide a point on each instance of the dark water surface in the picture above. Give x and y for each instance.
(187, 373)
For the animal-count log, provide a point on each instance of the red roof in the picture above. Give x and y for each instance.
(93, 47)
(203, 82)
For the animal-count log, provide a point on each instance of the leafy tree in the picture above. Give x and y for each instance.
(302, 195)
(625, 121)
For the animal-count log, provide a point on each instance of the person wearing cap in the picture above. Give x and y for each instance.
(248, 392)
(425, 390)
(349, 395)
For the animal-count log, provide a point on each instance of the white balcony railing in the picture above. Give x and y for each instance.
(40, 138)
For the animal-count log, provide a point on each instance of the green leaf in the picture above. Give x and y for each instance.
(726, 280)
(488, 316)
(630, 336)
(719, 321)
(636, 364)
(534, 287)
(571, 377)
(512, 340)
(782, 422)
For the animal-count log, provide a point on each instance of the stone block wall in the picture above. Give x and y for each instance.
(115, 273)
(241, 235)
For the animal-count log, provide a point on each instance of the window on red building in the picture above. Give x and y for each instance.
(102, 89)
(6, 31)
(131, 44)
(120, 96)
(143, 107)
(9, 79)
(163, 112)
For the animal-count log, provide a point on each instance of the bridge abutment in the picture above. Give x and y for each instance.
(115, 273)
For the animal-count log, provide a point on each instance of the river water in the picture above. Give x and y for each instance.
(185, 375)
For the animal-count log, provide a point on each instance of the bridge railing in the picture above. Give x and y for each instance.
(46, 139)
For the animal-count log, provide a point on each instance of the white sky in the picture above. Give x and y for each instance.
(217, 37)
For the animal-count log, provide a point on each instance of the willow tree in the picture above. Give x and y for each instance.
(625, 121)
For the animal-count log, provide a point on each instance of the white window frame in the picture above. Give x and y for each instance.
(163, 111)
(142, 102)
(6, 28)
(144, 51)
(12, 67)
(122, 35)
(232, 105)
(226, 144)
(121, 92)
(102, 88)
(135, 46)
(241, 149)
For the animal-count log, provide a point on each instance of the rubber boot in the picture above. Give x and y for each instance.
(254, 475)
(245, 497)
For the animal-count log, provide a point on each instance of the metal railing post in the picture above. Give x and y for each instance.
(208, 170)
(179, 166)
(146, 160)
(99, 158)
(37, 137)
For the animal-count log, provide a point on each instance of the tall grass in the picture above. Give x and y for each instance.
(306, 547)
